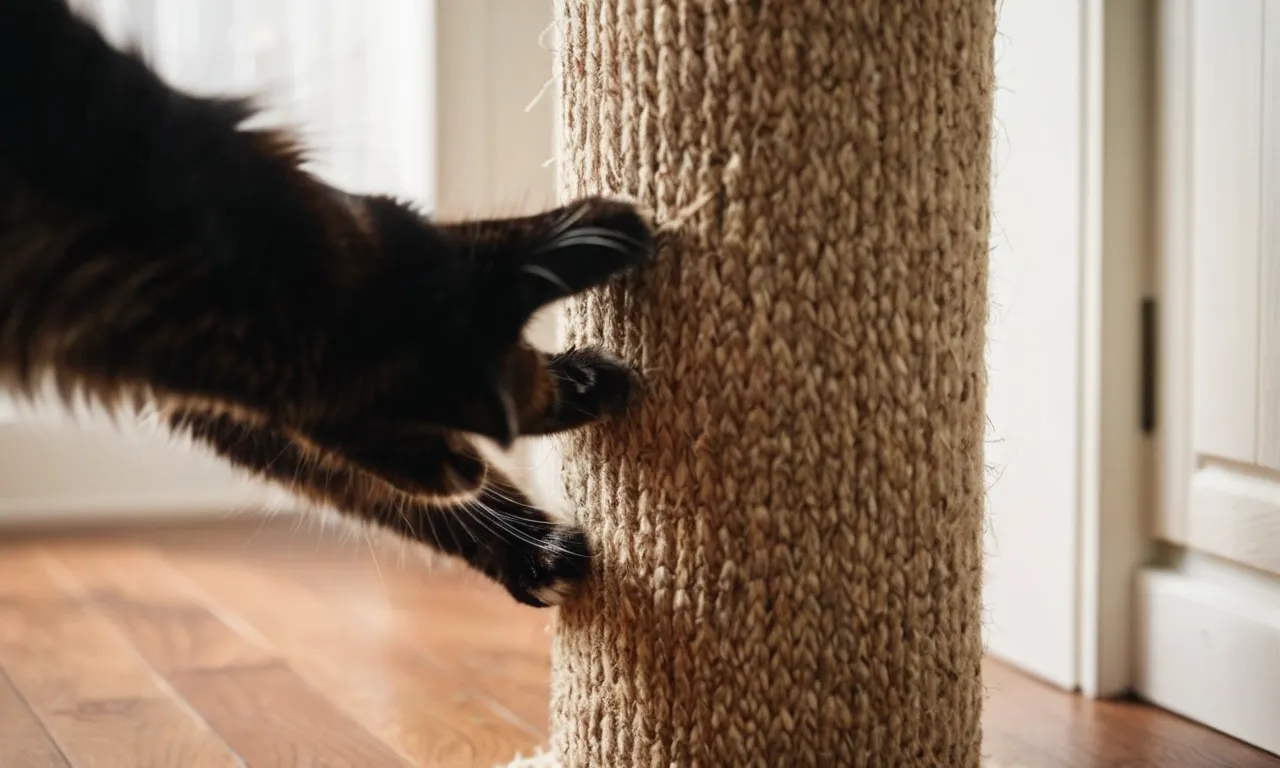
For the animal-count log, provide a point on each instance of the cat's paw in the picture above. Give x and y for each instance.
(549, 568)
(619, 219)
(594, 241)
(590, 385)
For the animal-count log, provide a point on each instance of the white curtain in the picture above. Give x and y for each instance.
(355, 78)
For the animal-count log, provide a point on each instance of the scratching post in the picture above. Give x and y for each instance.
(787, 530)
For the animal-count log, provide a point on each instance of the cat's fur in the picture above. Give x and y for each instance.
(153, 250)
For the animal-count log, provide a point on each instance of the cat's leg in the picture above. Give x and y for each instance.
(426, 463)
(550, 393)
(150, 243)
(539, 560)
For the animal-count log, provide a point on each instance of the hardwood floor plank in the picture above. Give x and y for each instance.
(23, 739)
(273, 718)
(140, 593)
(298, 647)
(242, 688)
(363, 661)
(1027, 722)
(496, 644)
(100, 701)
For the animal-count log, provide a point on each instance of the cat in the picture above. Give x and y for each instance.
(157, 253)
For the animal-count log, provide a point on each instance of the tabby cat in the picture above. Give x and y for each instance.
(156, 252)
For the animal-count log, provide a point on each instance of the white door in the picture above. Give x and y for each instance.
(1210, 616)
(359, 79)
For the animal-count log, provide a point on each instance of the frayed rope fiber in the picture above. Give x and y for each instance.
(787, 531)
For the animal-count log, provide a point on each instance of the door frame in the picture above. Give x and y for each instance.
(1059, 595)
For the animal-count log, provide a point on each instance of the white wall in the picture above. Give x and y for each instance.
(1034, 399)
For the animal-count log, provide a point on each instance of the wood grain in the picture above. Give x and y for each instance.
(23, 740)
(98, 698)
(281, 647)
(371, 662)
(163, 617)
(272, 717)
(1029, 723)
(510, 668)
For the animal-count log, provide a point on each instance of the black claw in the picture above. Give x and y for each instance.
(549, 572)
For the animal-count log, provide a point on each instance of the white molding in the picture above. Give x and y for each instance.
(1234, 512)
(1115, 454)
(1174, 462)
(65, 471)
(1226, 159)
(1095, 57)
(1210, 651)
(1072, 465)
(50, 513)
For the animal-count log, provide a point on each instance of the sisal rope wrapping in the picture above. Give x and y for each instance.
(788, 530)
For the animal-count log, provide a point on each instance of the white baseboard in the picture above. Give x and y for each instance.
(130, 510)
(1209, 650)
(66, 474)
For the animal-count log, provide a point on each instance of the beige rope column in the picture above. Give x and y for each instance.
(787, 531)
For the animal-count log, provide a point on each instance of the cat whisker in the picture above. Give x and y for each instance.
(519, 519)
(376, 566)
(491, 490)
(526, 538)
(466, 507)
(465, 528)
(400, 503)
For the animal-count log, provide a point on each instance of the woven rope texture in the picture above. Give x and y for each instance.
(787, 531)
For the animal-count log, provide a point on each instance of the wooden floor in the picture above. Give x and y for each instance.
(269, 645)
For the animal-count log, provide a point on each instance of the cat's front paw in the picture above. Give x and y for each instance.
(548, 568)
(590, 385)
(578, 248)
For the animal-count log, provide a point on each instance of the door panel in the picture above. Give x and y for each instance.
(1233, 308)
(1235, 514)
(1269, 284)
(1233, 509)
(1209, 604)
(1225, 200)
